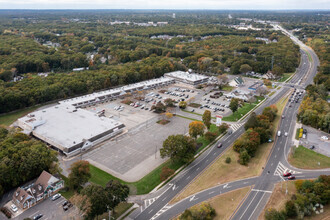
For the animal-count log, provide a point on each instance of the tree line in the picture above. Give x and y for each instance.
(22, 159)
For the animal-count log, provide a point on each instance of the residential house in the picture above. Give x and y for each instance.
(45, 186)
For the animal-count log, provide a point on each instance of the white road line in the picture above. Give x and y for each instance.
(150, 211)
(256, 206)
(188, 177)
(259, 190)
(164, 199)
(211, 192)
(248, 206)
(197, 168)
(34, 213)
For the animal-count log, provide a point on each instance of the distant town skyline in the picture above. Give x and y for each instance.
(169, 4)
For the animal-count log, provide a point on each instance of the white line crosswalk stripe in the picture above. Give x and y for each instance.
(235, 127)
(280, 169)
(164, 209)
(148, 202)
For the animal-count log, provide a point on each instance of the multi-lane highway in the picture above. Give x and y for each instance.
(156, 205)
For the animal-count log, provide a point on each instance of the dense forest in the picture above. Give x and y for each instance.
(38, 51)
(22, 159)
(315, 108)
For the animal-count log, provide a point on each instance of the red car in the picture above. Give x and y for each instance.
(219, 145)
(286, 174)
(291, 177)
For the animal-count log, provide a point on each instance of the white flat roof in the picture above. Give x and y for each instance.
(116, 90)
(186, 76)
(63, 126)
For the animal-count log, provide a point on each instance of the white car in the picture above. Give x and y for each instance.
(14, 208)
(286, 134)
(324, 138)
(56, 196)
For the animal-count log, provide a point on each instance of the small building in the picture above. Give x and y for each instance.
(45, 186)
(188, 78)
(237, 81)
(255, 86)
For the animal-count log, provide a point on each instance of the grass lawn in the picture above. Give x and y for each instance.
(227, 203)
(143, 186)
(297, 134)
(272, 93)
(195, 105)
(308, 159)
(213, 128)
(227, 88)
(119, 210)
(220, 172)
(195, 113)
(187, 118)
(279, 197)
(8, 119)
(285, 77)
(243, 110)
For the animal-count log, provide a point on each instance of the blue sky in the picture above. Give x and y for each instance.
(164, 4)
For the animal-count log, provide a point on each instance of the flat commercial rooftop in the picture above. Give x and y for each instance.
(121, 90)
(186, 76)
(64, 126)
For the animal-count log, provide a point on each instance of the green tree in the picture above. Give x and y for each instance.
(244, 157)
(79, 174)
(183, 104)
(178, 148)
(98, 199)
(159, 107)
(207, 118)
(273, 214)
(290, 209)
(245, 68)
(223, 128)
(233, 104)
(116, 193)
(210, 136)
(196, 128)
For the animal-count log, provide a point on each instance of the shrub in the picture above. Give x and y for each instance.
(166, 172)
(210, 136)
(228, 160)
(244, 157)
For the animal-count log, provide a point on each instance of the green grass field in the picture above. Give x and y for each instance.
(8, 119)
(227, 88)
(285, 77)
(308, 159)
(143, 186)
(242, 111)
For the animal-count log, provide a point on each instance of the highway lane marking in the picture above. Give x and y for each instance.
(271, 164)
(275, 156)
(197, 169)
(207, 160)
(259, 190)
(164, 199)
(245, 182)
(248, 205)
(214, 153)
(211, 192)
(150, 211)
(257, 205)
(34, 213)
(188, 177)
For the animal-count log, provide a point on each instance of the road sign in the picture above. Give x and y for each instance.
(219, 118)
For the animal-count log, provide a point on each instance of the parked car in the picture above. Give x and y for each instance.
(56, 196)
(286, 174)
(324, 138)
(219, 145)
(37, 216)
(14, 208)
(292, 177)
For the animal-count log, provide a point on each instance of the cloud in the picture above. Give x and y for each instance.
(161, 4)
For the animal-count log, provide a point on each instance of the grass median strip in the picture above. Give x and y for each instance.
(305, 158)
(225, 204)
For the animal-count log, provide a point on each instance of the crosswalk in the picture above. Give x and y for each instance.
(236, 126)
(280, 169)
(148, 202)
(164, 209)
